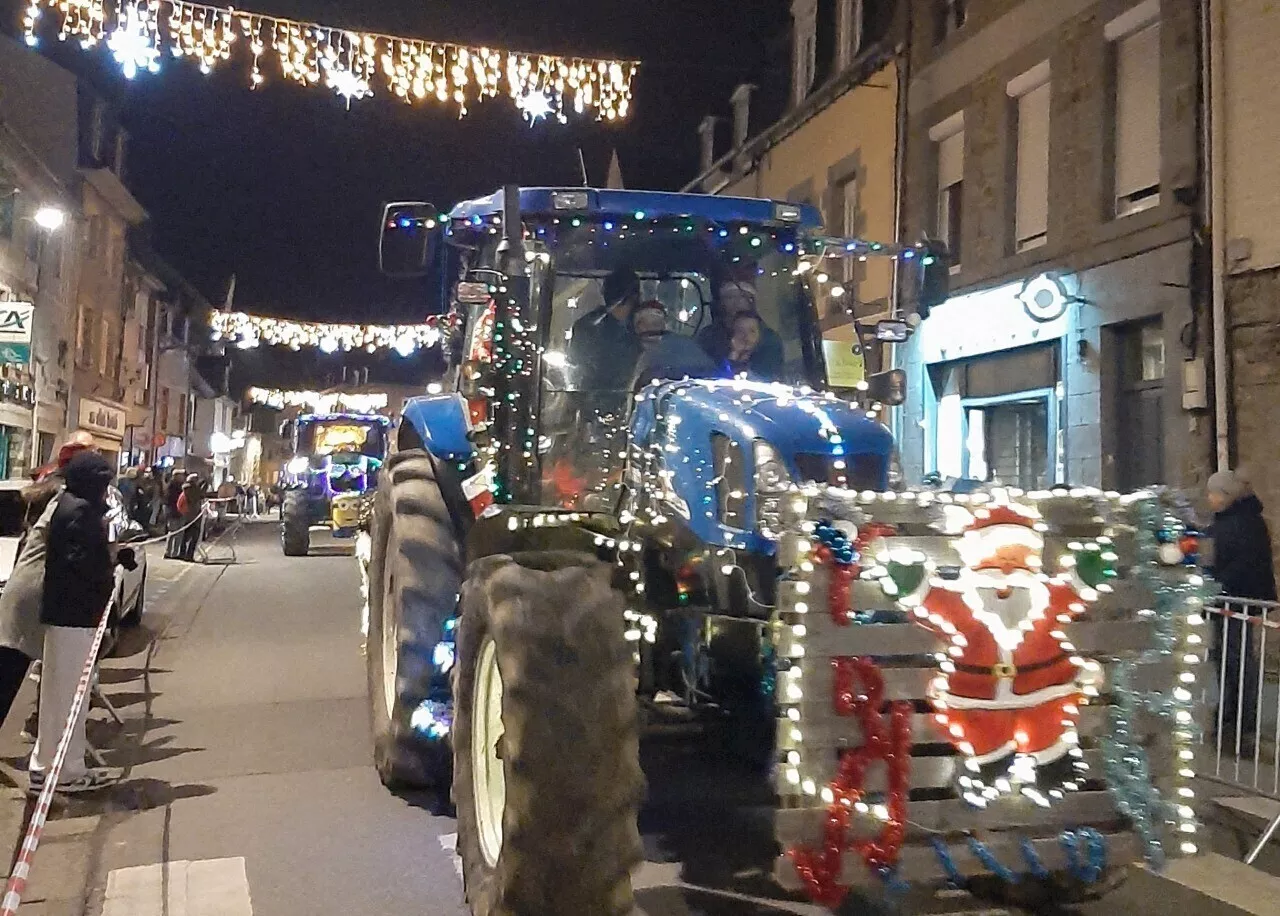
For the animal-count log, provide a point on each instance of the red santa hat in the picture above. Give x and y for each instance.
(998, 526)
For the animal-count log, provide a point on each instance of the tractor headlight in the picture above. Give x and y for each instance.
(772, 480)
(896, 479)
(299, 465)
(772, 475)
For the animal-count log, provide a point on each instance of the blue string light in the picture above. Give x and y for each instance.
(994, 865)
(943, 852)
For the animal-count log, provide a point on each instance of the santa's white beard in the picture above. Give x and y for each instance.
(1025, 595)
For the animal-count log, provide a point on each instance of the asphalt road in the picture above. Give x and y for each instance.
(249, 786)
(246, 738)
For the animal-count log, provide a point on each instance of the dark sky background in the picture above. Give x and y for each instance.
(283, 186)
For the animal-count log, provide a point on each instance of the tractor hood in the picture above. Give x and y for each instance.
(691, 426)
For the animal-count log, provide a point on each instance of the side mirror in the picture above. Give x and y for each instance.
(286, 430)
(889, 388)
(407, 239)
(892, 331)
(471, 379)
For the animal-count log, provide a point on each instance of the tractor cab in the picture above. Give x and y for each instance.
(620, 328)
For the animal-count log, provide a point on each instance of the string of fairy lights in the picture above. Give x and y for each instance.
(354, 64)
(247, 331)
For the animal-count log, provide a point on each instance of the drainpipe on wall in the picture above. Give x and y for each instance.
(1218, 229)
(899, 171)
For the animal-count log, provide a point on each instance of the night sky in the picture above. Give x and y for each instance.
(283, 186)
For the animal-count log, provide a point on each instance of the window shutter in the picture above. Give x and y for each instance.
(950, 160)
(1137, 127)
(1033, 164)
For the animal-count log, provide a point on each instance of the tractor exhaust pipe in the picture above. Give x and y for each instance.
(511, 248)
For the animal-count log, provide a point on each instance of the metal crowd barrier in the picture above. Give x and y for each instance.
(1244, 731)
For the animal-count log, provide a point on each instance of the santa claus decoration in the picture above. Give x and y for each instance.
(1009, 685)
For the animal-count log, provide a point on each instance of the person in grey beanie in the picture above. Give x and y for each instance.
(1243, 567)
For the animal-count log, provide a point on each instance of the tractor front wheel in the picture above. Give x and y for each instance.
(547, 778)
(415, 571)
(295, 526)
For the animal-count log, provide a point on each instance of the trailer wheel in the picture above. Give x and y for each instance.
(547, 778)
(295, 524)
(415, 569)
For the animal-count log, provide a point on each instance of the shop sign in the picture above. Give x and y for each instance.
(16, 319)
(102, 419)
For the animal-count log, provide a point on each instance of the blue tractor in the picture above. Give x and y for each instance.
(335, 464)
(587, 520)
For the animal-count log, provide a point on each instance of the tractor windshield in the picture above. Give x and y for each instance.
(342, 439)
(713, 301)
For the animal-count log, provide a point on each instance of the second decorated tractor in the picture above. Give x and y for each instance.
(335, 465)
(612, 511)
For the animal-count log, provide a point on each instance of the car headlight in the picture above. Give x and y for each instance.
(896, 479)
(299, 465)
(772, 475)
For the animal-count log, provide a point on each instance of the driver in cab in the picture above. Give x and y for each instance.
(603, 347)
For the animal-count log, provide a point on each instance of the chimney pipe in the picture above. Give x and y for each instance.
(741, 102)
(707, 134)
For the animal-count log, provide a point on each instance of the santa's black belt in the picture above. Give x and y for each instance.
(1008, 671)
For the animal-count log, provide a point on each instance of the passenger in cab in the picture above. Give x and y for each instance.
(746, 333)
(734, 296)
(665, 355)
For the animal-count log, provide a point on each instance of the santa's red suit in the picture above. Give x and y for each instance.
(1007, 685)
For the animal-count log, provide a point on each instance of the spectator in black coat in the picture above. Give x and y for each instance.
(79, 577)
(1242, 565)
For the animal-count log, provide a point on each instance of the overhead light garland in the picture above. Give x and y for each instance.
(354, 64)
(248, 331)
(319, 401)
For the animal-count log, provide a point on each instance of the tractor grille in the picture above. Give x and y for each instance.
(861, 472)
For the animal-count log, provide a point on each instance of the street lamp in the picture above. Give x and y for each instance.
(50, 219)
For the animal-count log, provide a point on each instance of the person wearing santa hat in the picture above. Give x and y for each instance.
(1008, 686)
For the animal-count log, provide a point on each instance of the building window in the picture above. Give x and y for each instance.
(948, 138)
(948, 18)
(162, 409)
(85, 326)
(8, 212)
(996, 418)
(849, 221)
(103, 350)
(1030, 93)
(804, 15)
(97, 235)
(1136, 106)
(97, 132)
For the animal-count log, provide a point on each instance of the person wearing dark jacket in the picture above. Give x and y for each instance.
(1243, 567)
(191, 505)
(79, 577)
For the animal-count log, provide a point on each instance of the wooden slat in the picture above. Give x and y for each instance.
(926, 772)
(911, 683)
(838, 732)
(826, 639)
(919, 864)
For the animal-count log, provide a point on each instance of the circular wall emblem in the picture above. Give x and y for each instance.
(1044, 298)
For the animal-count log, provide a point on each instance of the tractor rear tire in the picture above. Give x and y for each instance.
(295, 525)
(415, 572)
(559, 834)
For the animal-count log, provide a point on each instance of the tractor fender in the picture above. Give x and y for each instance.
(440, 424)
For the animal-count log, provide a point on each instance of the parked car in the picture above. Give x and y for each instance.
(124, 532)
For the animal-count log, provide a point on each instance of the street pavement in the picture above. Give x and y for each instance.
(249, 788)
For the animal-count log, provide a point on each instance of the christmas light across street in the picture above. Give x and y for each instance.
(353, 64)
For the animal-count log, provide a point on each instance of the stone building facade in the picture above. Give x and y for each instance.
(833, 145)
(1249, 33)
(1054, 145)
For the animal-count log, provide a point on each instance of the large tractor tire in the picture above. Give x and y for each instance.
(295, 525)
(415, 572)
(547, 779)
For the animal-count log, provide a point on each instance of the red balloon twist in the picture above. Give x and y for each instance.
(819, 869)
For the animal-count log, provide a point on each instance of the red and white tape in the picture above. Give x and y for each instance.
(22, 867)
